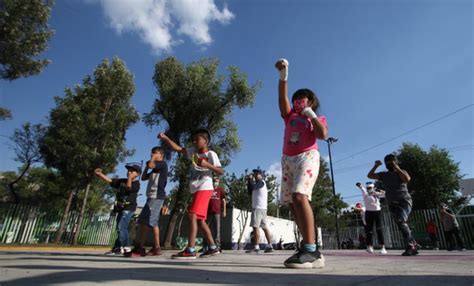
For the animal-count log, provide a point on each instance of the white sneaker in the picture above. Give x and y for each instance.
(370, 249)
(383, 251)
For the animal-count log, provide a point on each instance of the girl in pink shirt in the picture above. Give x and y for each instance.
(300, 164)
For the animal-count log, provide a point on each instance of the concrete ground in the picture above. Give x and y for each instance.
(82, 266)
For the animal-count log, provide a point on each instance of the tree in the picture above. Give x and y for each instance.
(434, 175)
(87, 129)
(323, 200)
(192, 97)
(26, 147)
(5, 114)
(24, 35)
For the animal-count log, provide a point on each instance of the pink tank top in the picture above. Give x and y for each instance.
(299, 135)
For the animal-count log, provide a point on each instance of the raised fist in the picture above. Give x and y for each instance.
(378, 163)
(281, 64)
(98, 171)
(358, 184)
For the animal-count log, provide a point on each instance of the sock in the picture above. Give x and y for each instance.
(257, 246)
(213, 247)
(191, 249)
(310, 247)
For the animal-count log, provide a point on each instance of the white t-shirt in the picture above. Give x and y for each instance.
(260, 197)
(371, 202)
(201, 178)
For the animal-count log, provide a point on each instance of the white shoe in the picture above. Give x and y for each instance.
(383, 251)
(370, 249)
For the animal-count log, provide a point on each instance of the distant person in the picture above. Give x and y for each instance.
(125, 204)
(372, 216)
(431, 229)
(258, 218)
(451, 229)
(205, 163)
(399, 201)
(300, 164)
(156, 173)
(216, 210)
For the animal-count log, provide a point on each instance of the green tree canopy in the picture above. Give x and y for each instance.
(434, 174)
(24, 34)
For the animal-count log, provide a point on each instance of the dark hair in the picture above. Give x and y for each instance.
(203, 133)
(390, 157)
(158, 149)
(309, 94)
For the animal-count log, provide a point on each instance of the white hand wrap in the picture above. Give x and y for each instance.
(309, 113)
(284, 72)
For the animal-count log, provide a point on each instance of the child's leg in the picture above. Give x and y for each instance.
(256, 233)
(305, 216)
(141, 235)
(156, 236)
(268, 236)
(193, 228)
(206, 231)
(378, 228)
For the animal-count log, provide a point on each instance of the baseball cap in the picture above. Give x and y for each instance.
(134, 167)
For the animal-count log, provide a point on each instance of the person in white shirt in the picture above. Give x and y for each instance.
(372, 215)
(257, 185)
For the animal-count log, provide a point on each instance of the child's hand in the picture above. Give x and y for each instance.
(378, 163)
(396, 167)
(151, 164)
(98, 171)
(282, 67)
(162, 136)
(358, 184)
(132, 175)
(203, 163)
(308, 112)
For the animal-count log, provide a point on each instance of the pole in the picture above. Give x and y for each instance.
(330, 141)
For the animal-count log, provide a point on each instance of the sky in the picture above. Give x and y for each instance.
(382, 69)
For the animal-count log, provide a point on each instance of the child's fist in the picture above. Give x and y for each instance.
(98, 171)
(358, 184)
(282, 67)
(162, 136)
(378, 163)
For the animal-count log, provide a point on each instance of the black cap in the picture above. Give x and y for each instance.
(134, 167)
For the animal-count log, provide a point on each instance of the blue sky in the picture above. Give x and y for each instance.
(380, 68)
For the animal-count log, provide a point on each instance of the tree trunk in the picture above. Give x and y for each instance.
(81, 215)
(170, 229)
(60, 231)
(11, 185)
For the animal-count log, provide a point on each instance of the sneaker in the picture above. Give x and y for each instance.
(154, 252)
(370, 249)
(383, 250)
(253, 250)
(210, 252)
(268, 250)
(410, 251)
(185, 254)
(305, 260)
(113, 251)
(136, 252)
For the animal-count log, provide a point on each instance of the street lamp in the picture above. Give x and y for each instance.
(332, 140)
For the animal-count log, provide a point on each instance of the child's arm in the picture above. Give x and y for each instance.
(218, 170)
(224, 210)
(359, 185)
(98, 173)
(283, 101)
(372, 175)
(402, 173)
(171, 143)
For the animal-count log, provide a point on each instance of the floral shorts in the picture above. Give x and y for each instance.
(299, 174)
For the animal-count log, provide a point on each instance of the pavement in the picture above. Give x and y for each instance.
(83, 266)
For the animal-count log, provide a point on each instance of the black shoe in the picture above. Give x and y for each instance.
(210, 252)
(253, 250)
(268, 249)
(410, 251)
(304, 260)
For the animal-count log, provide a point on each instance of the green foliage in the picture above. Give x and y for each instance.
(238, 194)
(434, 175)
(26, 143)
(191, 97)
(24, 34)
(5, 114)
(323, 200)
(87, 126)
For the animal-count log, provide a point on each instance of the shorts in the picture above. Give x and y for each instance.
(259, 218)
(200, 204)
(150, 214)
(299, 174)
(400, 209)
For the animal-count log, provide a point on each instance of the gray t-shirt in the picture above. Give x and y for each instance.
(395, 188)
(157, 181)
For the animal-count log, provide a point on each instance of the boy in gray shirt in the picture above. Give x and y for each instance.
(398, 199)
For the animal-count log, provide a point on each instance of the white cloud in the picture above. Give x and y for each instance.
(275, 170)
(156, 20)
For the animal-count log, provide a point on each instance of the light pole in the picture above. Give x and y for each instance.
(332, 140)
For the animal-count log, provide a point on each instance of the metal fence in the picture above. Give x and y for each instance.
(29, 224)
(417, 221)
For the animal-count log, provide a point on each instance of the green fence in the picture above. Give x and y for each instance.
(23, 224)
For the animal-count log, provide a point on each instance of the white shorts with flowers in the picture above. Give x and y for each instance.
(299, 174)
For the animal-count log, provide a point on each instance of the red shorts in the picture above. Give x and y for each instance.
(200, 204)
